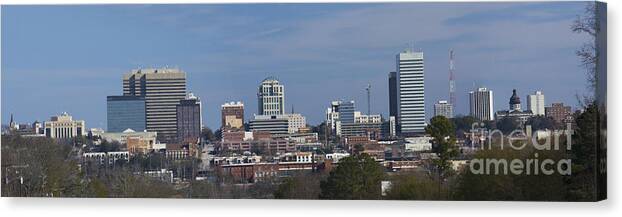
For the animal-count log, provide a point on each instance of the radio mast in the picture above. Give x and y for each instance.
(452, 82)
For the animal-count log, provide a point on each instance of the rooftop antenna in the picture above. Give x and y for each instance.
(368, 89)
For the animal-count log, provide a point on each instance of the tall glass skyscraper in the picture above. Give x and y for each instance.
(481, 104)
(346, 112)
(126, 112)
(411, 100)
(163, 89)
(271, 97)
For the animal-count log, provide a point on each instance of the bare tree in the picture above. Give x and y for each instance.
(588, 53)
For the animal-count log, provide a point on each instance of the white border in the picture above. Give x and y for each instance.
(43, 207)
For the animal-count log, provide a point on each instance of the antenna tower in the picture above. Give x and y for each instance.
(452, 82)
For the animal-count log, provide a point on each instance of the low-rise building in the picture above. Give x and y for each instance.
(34, 129)
(559, 112)
(63, 126)
(335, 157)
(107, 157)
(278, 124)
(249, 172)
(416, 144)
(137, 142)
(269, 147)
(236, 159)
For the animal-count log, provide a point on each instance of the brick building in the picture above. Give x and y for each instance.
(558, 112)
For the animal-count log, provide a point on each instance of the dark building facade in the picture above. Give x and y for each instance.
(346, 112)
(393, 98)
(393, 94)
(126, 112)
(189, 119)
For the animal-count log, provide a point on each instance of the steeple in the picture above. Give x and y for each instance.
(11, 122)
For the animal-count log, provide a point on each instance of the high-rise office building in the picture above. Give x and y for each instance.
(163, 89)
(411, 97)
(346, 112)
(332, 116)
(535, 103)
(126, 112)
(189, 118)
(63, 126)
(443, 108)
(393, 94)
(271, 97)
(232, 115)
(388, 129)
(481, 104)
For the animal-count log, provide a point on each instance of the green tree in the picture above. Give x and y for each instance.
(463, 123)
(541, 123)
(357, 177)
(413, 187)
(583, 154)
(218, 135)
(444, 145)
(39, 167)
(299, 186)
(492, 186)
(507, 125)
(208, 134)
(321, 131)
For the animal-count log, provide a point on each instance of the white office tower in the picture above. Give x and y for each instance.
(481, 104)
(411, 100)
(271, 96)
(443, 108)
(332, 116)
(163, 89)
(535, 103)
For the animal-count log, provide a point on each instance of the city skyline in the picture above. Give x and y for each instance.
(356, 61)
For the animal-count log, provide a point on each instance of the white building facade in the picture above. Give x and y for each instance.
(535, 103)
(411, 99)
(481, 104)
(443, 108)
(271, 97)
(63, 126)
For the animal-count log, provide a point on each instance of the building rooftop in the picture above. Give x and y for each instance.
(232, 104)
(270, 80)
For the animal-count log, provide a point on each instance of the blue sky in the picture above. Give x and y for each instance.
(69, 58)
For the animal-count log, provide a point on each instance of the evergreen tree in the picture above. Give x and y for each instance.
(357, 177)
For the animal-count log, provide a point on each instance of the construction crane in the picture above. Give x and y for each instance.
(368, 89)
